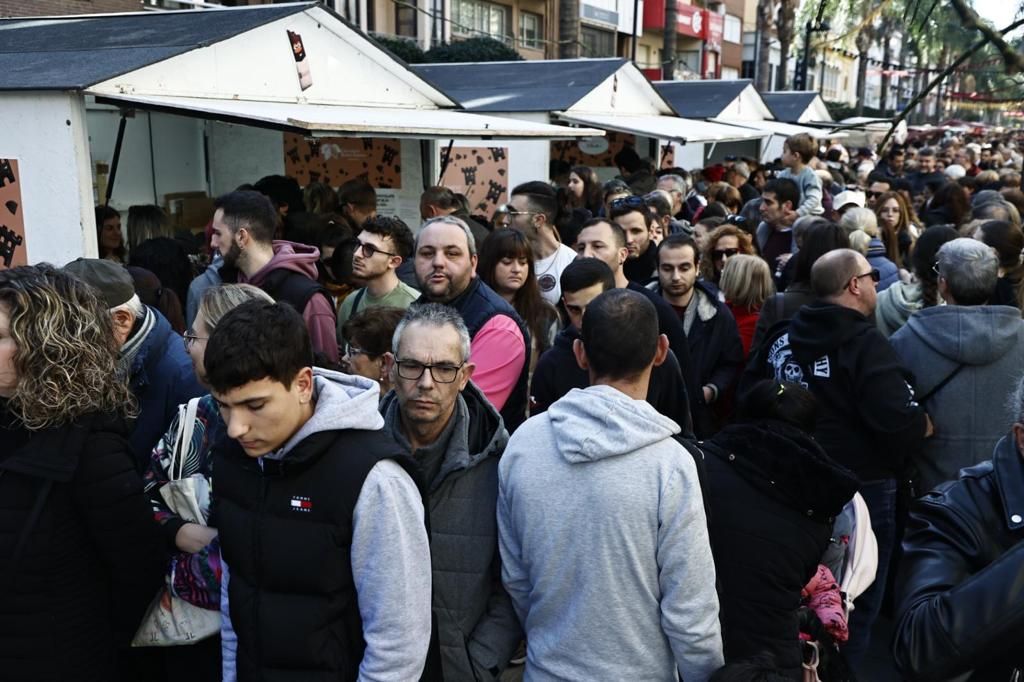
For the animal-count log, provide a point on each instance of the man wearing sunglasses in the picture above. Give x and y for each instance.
(532, 211)
(868, 418)
(384, 244)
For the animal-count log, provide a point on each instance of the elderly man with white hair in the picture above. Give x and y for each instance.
(153, 356)
(962, 354)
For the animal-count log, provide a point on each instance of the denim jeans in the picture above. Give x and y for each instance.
(880, 497)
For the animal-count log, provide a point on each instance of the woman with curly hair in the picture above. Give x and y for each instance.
(506, 265)
(724, 242)
(80, 554)
(898, 225)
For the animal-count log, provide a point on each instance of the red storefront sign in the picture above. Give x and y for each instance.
(715, 28)
(690, 20)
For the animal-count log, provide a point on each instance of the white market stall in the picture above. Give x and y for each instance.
(203, 101)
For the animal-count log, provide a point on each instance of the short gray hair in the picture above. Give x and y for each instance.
(1015, 403)
(433, 315)
(970, 268)
(858, 218)
(681, 185)
(133, 305)
(449, 220)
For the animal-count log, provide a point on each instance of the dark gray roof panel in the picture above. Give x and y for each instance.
(519, 86)
(788, 106)
(72, 53)
(700, 99)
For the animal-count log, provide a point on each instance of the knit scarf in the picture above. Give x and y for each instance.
(130, 349)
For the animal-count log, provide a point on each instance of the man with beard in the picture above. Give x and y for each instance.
(384, 244)
(445, 264)
(243, 233)
(632, 215)
(534, 209)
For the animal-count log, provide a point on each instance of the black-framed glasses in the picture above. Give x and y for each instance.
(442, 374)
(189, 337)
(632, 203)
(369, 250)
(719, 254)
(874, 274)
(507, 209)
(872, 195)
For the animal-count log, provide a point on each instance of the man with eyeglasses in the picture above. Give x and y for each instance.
(384, 244)
(455, 436)
(445, 264)
(869, 420)
(532, 210)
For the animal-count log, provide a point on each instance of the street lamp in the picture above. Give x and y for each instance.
(819, 26)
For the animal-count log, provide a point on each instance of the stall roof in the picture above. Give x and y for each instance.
(787, 129)
(734, 99)
(682, 130)
(521, 86)
(802, 106)
(72, 53)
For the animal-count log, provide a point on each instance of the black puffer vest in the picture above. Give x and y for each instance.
(286, 534)
(477, 305)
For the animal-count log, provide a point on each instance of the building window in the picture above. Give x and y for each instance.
(733, 30)
(749, 69)
(730, 74)
(473, 17)
(406, 23)
(597, 43)
(530, 29)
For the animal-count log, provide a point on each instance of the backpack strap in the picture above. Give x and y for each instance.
(293, 288)
(938, 387)
(357, 300)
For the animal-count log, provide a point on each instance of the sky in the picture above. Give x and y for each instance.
(999, 12)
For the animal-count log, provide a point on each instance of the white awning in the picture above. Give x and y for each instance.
(672, 128)
(787, 129)
(323, 119)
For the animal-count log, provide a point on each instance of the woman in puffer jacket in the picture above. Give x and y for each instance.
(80, 554)
(773, 495)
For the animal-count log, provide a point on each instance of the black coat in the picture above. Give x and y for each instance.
(959, 592)
(92, 561)
(773, 496)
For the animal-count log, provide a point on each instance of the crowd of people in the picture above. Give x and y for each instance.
(715, 424)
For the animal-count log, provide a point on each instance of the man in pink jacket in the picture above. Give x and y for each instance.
(243, 233)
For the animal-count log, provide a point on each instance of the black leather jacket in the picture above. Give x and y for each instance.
(960, 587)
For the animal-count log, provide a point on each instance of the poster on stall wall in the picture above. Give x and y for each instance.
(576, 154)
(479, 173)
(301, 63)
(12, 220)
(335, 160)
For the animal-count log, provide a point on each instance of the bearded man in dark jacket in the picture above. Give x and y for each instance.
(869, 420)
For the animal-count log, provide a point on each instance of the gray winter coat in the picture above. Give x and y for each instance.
(477, 626)
(968, 412)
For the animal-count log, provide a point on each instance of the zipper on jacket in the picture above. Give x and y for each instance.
(257, 550)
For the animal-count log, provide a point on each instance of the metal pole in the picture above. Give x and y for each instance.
(117, 158)
(445, 160)
(802, 75)
(636, 17)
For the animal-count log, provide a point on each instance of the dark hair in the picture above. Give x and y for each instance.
(167, 259)
(394, 227)
(541, 197)
(678, 241)
(818, 240)
(283, 191)
(786, 402)
(154, 294)
(628, 160)
(879, 176)
(618, 234)
(558, 168)
(784, 190)
(922, 259)
(659, 203)
(954, 198)
(593, 196)
(586, 272)
(373, 328)
(320, 198)
(357, 192)
(249, 210)
(103, 214)
(255, 341)
(1006, 238)
(610, 353)
(623, 209)
(439, 196)
(714, 210)
(535, 311)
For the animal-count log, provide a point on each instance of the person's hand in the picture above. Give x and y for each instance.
(192, 537)
(780, 261)
(929, 428)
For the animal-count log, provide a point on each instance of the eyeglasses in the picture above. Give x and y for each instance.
(872, 195)
(508, 210)
(442, 374)
(190, 337)
(719, 254)
(935, 269)
(369, 250)
(352, 351)
(629, 202)
(875, 275)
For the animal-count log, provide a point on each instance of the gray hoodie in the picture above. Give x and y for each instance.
(389, 541)
(968, 412)
(604, 544)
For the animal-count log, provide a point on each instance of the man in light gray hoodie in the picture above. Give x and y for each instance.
(601, 523)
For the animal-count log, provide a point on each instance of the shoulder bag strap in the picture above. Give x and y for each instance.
(938, 387)
(183, 439)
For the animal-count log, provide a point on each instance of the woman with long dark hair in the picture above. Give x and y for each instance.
(506, 265)
(80, 554)
(109, 238)
(585, 189)
(1008, 241)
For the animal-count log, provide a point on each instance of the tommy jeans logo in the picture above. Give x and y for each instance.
(301, 504)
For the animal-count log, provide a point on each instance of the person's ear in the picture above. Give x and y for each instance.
(123, 323)
(473, 261)
(623, 255)
(304, 384)
(389, 364)
(581, 355)
(661, 353)
(467, 374)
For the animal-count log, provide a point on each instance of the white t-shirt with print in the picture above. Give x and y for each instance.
(549, 272)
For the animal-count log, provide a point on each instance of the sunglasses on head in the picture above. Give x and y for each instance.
(735, 219)
(629, 202)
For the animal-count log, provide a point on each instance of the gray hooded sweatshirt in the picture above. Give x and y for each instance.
(604, 544)
(968, 412)
(389, 542)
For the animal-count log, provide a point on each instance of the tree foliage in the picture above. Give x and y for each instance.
(406, 50)
(478, 49)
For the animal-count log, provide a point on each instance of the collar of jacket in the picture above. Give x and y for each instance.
(1009, 471)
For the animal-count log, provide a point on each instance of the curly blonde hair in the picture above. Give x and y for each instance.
(66, 358)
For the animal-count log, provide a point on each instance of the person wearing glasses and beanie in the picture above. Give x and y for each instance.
(869, 417)
(455, 436)
(384, 244)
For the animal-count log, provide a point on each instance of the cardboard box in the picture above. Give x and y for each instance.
(188, 210)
